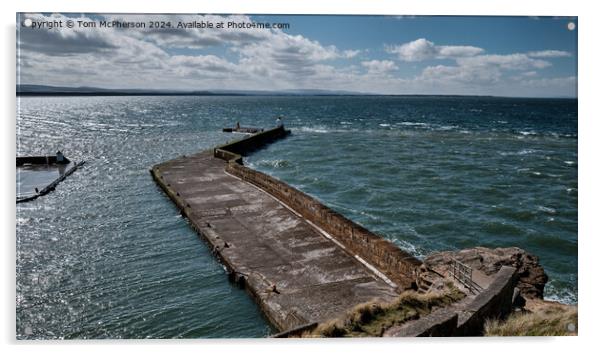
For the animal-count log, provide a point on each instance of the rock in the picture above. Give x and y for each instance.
(540, 305)
(532, 277)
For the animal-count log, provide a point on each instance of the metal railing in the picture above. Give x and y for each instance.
(463, 274)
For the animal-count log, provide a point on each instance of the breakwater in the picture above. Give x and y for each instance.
(396, 264)
(301, 261)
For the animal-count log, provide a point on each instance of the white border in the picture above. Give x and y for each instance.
(589, 170)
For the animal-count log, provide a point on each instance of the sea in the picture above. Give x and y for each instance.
(107, 254)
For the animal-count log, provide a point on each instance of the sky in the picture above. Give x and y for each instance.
(485, 55)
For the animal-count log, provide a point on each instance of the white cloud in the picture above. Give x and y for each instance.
(460, 74)
(508, 62)
(549, 54)
(193, 38)
(62, 41)
(473, 70)
(555, 82)
(482, 69)
(422, 49)
(348, 54)
(202, 67)
(262, 59)
(379, 67)
(119, 57)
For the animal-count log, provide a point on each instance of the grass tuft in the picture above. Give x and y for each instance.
(371, 319)
(553, 320)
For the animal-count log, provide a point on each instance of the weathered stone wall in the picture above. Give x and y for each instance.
(493, 302)
(244, 146)
(467, 317)
(441, 323)
(398, 265)
(227, 155)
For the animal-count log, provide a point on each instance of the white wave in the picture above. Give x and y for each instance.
(369, 215)
(406, 246)
(431, 126)
(411, 123)
(556, 134)
(345, 123)
(523, 152)
(447, 127)
(518, 153)
(548, 210)
(527, 133)
(274, 163)
(563, 296)
(569, 162)
(384, 125)
(317, 129)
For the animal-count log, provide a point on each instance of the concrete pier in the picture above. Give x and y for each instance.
(302, 262)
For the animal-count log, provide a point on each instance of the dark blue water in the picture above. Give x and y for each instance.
(107, 255)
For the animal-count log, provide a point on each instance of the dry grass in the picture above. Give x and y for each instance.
(373, 318)
(548, 320)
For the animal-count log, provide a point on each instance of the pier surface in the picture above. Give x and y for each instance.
(305, 263)
(269, 245)
(298, 273)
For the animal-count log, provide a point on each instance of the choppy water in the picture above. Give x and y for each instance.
(107, 254)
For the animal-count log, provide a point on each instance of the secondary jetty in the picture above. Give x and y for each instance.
(39, 175)
(307, 265)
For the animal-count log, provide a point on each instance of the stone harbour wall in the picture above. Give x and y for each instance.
(399, 266)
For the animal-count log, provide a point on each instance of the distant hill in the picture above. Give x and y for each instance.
(42, 90)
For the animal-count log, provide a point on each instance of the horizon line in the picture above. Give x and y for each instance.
(90, 91)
